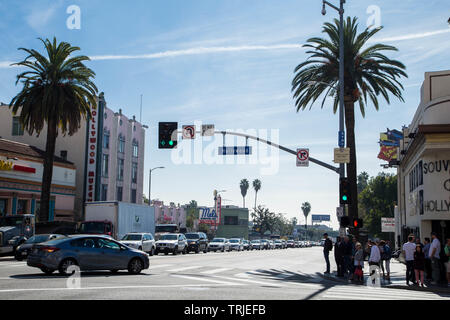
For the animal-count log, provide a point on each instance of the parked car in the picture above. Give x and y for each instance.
(285, 245)
(256, 244)
(172, 243)
(291, 244)
(197, 241)
(246, 245)
(236, 244)
(297, 244)
(219, 244)
(264, 244)
(278, 244)
(141, 241)
(84, 251)
(271, 244)
(24, 249)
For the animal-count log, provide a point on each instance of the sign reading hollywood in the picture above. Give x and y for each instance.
(92, 154)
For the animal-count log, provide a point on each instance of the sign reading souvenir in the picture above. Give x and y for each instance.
(92, 154)
(387, 224)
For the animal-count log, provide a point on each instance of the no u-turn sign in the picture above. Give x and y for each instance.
(303, 157)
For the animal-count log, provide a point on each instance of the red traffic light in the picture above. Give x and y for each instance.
(357, 223)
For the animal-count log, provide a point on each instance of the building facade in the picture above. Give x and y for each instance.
(424, 164)
(170, 214)
(21, 169)
(107, 150)
(233, 222)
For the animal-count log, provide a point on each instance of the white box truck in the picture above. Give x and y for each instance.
(117, 218)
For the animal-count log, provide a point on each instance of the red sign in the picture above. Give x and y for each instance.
(92, 155)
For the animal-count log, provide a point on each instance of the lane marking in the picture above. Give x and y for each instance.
(215, 271)
(208, 280)
(184, 269)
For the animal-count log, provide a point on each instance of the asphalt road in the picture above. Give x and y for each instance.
(289, 274)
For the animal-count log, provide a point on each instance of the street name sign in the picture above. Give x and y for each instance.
(207, 130)
(302, 157)
(189, 132)
(341, 155)
(224, 151)
(320, 217)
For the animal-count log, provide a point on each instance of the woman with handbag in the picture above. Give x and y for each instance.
(358, 276)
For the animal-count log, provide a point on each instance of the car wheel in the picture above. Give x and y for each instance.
(166, 253)
(135, 266)
(18, 256)
(47, 271)
(152, 252)
(140, 248)
(64, 265)
(223, 249)
(175, 251)
(185, 250)
(198, 250)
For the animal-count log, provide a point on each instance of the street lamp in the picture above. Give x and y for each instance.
(341, 71)
(150, 185)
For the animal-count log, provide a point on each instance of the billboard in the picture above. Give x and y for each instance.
(389, 143)
(320, 217)
(387, 224)
(208, 216)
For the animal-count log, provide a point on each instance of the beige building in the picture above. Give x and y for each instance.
(108, 152)
(424, 164)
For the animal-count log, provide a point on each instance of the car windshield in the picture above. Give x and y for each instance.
(192, 236)
(92, 227)
(38, 238)
(234, 240)
(169, 237)
(166, 228)
(217, 240)
(132, 237)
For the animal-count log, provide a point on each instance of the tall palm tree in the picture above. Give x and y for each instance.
(244, 185)
(257, 187)
(57, 91)
(306, 208)
(367, 73)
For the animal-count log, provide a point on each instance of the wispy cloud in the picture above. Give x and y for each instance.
(197, 51)
(411, 36)
(39, 18)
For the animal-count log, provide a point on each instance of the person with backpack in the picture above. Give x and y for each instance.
(386, 255)
(327, 247)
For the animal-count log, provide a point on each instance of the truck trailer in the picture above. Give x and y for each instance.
(116, 218)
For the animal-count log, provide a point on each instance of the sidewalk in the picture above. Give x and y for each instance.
(398, 272)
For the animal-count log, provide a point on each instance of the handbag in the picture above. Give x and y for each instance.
(358, 271)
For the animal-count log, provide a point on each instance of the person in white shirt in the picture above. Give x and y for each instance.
(433, 253)
(375, 255)
(408, 251)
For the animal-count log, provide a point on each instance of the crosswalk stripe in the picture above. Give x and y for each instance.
(159, 266)
(354, 295)
(248, 280)
(375, 292)
(213, 271)
(207, 280)
(184, 268)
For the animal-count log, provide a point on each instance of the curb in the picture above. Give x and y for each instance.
(415, 288)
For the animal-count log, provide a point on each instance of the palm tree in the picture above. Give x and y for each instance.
(367, 72)
(306, 208)
(244, 187)
(257, 187)
(57, 91)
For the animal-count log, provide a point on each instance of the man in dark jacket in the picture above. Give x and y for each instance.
(347, 253)
(327, 247)
(338, 256)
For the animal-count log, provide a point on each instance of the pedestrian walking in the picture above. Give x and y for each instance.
(434, 254)
(327, 247)
(419, 243)
(426, 251)
(446, 260)
(347, 252)
(338, 256)
(358, 261)
(386, 255)
(419, 264)
(408, 251)
(374, 259)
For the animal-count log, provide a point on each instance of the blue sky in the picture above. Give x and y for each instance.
(230, 63)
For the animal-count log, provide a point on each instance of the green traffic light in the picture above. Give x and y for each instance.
(163, 143)
(344, 198)
(171, 142)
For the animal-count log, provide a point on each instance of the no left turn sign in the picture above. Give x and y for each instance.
(302, 157)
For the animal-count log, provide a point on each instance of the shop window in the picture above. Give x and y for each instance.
(231, 220)
(22, 206)
(17, 128)
(3, 206)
